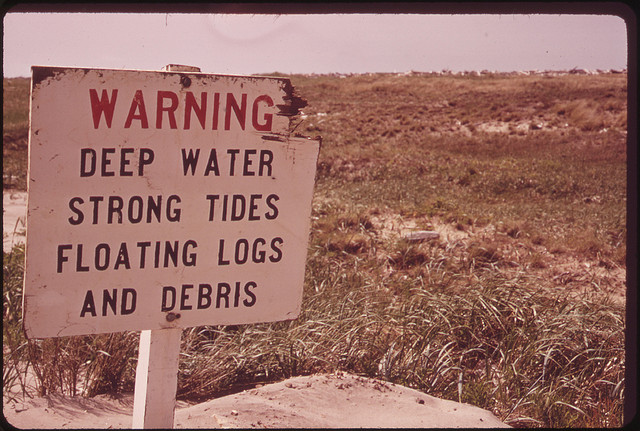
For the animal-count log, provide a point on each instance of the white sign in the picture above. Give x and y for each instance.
(163, 200)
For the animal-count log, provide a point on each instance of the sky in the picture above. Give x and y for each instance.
(313, 43)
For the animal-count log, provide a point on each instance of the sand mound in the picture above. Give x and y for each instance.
(318, 401)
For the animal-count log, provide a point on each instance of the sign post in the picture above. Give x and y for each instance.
(156, 378)
(160, 201)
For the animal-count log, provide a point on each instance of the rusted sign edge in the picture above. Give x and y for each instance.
(294, 102)
(41, 73)
(291, 107)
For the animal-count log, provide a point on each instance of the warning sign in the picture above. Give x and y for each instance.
(163, 199)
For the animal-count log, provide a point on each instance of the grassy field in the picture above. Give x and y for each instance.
(517, 307)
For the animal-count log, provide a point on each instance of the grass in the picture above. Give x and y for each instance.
(517, 308)
(15, 130)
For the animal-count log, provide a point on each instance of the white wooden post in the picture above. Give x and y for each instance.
(154, 398)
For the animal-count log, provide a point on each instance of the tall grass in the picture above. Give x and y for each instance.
(503, 343)
(86, 365)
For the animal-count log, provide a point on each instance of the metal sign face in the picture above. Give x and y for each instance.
(163, 199)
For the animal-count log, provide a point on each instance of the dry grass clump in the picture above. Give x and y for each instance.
(583, 114)
(347, 233)
(593, 115)
(408, 256)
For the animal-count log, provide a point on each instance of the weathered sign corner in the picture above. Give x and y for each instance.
(293, 102)
(40, 73)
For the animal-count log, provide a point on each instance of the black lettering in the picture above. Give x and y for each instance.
(278, 252)
(242, 256)
(61, 257)
(212, 164)
(89, 162)
(102, 266)
(253, 206)
(175, 214)
(106, 162)
(272, 215)
(247, 290)
(123, 257)
(223, 292)
(225, 198)
(266, 157)
(232, 162)
(221, 260)
(96, 202)
(154, 207)
(79, 267)
(146, 158)
(115, 207)
(258, 255)
(124, 162)
(143, 252)
(166, 290)
(204, 295)
(170, 252)
(236, 297)
(248, 162)
(135, 215)
(88, 306)
(156, 259)
(87, 166)
(189, 259)
(235, 215)
(184, 296)
(78, 212)
(128, 292)
(190, 161)
(109, 300)
(212, 199)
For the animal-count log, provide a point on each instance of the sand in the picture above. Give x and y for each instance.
(337, 400)
(14, 213)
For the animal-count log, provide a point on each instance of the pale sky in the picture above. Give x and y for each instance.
(314, 43)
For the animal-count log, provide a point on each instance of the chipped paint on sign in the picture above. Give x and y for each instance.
(163, 200)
